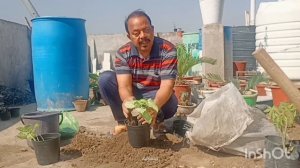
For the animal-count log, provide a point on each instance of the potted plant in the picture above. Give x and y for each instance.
(185, 62)
(46, 146)
(250, 93)
(80, 104)
(185, 106)
(94, 87)
(138, 134)
(283, 118)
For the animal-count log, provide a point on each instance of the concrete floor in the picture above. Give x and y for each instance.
(18, 155)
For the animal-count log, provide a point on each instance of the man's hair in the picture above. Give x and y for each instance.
(136, 13)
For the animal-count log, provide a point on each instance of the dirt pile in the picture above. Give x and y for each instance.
(95, 150)
(99, 149)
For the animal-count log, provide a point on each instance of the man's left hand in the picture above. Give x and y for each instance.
(153, 115)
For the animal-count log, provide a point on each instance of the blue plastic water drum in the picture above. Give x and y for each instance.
(60, 62)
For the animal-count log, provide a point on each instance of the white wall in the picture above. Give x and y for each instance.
(15, 55)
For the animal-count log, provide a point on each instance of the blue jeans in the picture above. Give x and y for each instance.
(109, 92)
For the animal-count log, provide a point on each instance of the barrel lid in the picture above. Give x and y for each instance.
(56, 18)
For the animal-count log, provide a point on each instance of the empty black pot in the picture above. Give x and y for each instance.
(5, 114)
(14, 111)
(180, 127)
(139, 136)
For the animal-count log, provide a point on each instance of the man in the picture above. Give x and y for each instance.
(146, 67)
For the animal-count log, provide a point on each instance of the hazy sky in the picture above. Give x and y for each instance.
(107, 16)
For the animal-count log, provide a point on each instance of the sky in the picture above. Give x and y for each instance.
(107, 16)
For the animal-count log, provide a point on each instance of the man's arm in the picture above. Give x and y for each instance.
(125, 91)
(125, 86)
(164, 92)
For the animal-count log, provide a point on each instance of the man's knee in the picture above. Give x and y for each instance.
(106, 79)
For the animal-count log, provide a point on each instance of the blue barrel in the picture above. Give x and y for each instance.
(60, 62)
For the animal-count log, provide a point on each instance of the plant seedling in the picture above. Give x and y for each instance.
(283, 117)
(142, 107)
(185, 99)
(29, 132)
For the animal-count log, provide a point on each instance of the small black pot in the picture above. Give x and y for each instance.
(274, 149)
(180, 127)
(47, 150)
(14, 111)
(139, 136)
(5, 114)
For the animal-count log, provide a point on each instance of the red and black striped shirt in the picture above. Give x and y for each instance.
(147, 74)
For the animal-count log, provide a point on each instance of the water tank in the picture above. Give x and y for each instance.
(60, 62)
(243, 39)
(278, 31)
(211, 11)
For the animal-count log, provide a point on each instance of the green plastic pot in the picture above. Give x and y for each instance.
(250, 99)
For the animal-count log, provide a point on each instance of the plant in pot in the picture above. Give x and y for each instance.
(211, 78)
(283, 151)
(80, 104)
(46, 146)
(139, 134)
(94, 88)
(250, 93)
(185, 62)
(185, 106)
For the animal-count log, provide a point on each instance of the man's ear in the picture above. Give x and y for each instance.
(128, 36)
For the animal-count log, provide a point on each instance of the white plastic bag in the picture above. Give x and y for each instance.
(219, 119)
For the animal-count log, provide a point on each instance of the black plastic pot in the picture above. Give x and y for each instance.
(275, 156)
(5, 115)
(47, 150)
(14, 111)
(139, 136)
(180, 127)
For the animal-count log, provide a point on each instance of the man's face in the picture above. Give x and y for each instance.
(141, 33)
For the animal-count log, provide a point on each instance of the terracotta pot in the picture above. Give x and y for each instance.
(186, 110)
(278, 95)
(198, 79)
(214, 85)
(80, 105)
(188, 78)
(239, 66)
(261, 90)
(179, 89)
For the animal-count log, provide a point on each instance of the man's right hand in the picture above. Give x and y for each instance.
(126, 113)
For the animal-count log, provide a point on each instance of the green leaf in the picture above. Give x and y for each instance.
(151, 104)
(145, 115)
(130, 104)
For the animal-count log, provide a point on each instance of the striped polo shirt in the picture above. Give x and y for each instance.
(148, 73)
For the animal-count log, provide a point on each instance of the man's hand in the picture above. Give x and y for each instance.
(153, 115)
(126, 112)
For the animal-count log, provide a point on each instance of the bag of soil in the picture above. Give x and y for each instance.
(69, 127)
